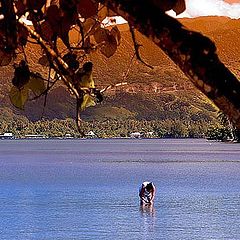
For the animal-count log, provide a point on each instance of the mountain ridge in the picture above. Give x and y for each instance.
(144, 86)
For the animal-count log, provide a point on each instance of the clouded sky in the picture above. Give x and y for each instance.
(195, 8)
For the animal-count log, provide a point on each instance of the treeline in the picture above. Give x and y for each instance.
(21, 126)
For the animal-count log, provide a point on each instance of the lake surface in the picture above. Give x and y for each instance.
(88, 189)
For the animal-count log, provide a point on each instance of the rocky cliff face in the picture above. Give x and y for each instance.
(144, 85)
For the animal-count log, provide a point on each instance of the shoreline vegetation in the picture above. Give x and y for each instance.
(22, 128)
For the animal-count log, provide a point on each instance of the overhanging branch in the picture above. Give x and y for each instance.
(194, 53)
(53, 54)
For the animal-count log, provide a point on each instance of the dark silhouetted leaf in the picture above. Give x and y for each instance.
(71, 60)
(5, 58)
(87, 8)
(101, 35)
(179, 7)
(116, 33)
(107, 40)
(105, 12)
(43, 60)
(21, 75)
(36, 5)
(87, 45)
(22, 35)
(64, 28)
(21, 7)
(46, 31)
(68, 6)
(53, 17)
(98, 95)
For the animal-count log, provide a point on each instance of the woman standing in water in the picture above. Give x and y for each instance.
(147, 193)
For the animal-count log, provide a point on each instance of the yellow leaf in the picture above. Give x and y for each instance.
(18, 97)
(85, 77)
(88, 101)
(87, 81)
(36, 84)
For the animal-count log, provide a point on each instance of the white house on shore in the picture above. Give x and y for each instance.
(91, 134)
(35, 136)
(7, 135)
(135, 135)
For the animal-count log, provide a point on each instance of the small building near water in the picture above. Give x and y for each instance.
(91, 134)
(7, 135)
(68, 136)
(35, 136)
(135, 135)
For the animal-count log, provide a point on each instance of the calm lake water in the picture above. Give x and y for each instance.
(88, 189)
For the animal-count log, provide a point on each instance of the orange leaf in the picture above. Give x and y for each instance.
(90, 26)
(109, 47)
(107, 40)
(101, 35)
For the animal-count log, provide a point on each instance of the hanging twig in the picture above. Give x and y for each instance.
(55, 56)
(45, 91)
(111, 86)
(137, 46)
(78, 116)
(129, 67)
(24, 54)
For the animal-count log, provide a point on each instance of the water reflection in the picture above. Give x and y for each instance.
(147, 210)
(148, 214)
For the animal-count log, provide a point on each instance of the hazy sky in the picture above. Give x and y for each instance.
(195, 8)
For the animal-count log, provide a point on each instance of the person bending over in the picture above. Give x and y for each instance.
(147, 193)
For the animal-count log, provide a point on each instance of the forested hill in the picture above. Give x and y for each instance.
(160, 93)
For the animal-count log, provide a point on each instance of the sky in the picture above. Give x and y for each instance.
(196, 8)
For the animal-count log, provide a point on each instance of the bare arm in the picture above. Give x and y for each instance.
(153, 193)
(141, 194)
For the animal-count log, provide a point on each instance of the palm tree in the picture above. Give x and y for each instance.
(224, 120)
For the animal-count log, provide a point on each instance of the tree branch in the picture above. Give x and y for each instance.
(54, 55)
(194, 53)
(136, 47)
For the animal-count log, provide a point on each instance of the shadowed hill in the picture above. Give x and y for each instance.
(159, 93)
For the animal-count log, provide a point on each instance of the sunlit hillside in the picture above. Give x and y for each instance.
(159, 93)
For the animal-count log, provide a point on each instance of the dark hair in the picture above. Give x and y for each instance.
(149, 186)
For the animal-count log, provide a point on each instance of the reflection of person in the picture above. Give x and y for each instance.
(147, 193)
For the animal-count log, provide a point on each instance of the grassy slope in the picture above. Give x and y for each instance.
(137, 100)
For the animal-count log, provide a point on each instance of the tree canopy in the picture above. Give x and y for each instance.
(48, 22)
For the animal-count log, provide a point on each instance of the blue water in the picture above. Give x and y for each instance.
(88, 189)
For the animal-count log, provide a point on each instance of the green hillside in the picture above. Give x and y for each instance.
(160, 94)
